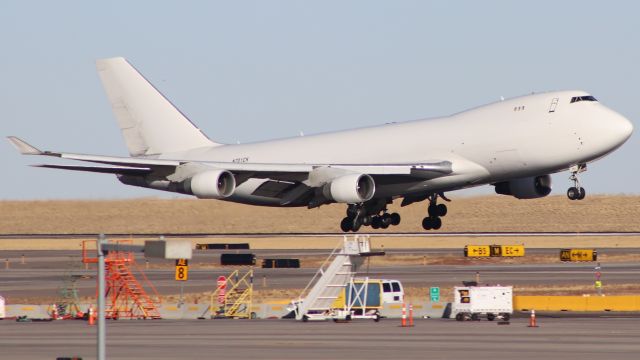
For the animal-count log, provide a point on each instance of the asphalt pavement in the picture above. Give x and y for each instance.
(555, 338)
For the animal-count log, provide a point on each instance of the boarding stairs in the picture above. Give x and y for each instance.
(66, 304)
(128, 297)
(317, 298)
(125, 294)
(234, 299)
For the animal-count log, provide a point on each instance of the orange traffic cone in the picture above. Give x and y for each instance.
(92, 316)
(532, 319)
(404, 315)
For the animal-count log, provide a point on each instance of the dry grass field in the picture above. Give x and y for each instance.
(486, 213)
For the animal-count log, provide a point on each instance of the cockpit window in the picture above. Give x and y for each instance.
(582, 98)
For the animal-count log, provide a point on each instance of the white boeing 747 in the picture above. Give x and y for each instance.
(511, 144)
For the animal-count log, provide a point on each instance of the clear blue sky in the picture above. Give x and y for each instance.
(255, 70)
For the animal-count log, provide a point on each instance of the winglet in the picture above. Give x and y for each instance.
(23, 147)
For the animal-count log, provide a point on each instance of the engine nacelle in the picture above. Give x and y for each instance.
(211, 184)
(350, 189)
(526, 188)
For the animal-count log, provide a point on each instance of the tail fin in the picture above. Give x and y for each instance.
(149, 122)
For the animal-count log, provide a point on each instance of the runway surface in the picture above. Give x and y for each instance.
(44, 272)
(556, 338)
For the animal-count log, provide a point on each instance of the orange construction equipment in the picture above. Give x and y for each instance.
(126, 297)
(532, 319)
(92, 316)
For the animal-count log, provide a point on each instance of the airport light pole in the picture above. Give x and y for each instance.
(152, 248)
(102, 240)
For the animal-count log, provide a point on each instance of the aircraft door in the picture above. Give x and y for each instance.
(554, 104)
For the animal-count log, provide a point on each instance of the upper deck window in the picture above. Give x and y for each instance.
(583, 98)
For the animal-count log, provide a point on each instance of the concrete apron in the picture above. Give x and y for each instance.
(263, 311)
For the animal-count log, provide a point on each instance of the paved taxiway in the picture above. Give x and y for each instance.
(556, 338)
(44, 271)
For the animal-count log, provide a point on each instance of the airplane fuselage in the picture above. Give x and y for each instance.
(526, 136)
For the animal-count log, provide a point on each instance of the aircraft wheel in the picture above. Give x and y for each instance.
(376, 222)
(432, 210)
(351, 211)
(395, 219)
(436, 223)
(442, 209)
(426, 223)
(356, 224)
(345, 224)
(582, 194)
(386, 219)
(573, 193)
(366, 221)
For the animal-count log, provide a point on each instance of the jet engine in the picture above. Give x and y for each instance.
(211, 184)
(350, 189)
(526, 188)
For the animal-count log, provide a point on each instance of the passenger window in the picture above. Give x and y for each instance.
(386, 287)
(396, 287)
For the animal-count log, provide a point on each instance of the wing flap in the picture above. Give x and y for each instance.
(274, 189)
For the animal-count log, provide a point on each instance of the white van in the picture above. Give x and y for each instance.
(392, 292)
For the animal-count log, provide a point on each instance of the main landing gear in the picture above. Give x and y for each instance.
(576, 192)
(436, 211)
(374, 215)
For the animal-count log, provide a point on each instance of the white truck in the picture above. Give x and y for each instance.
(362, 298)
(492, 302)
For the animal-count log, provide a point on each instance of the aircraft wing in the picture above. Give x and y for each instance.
(285, 182)
(142, 165)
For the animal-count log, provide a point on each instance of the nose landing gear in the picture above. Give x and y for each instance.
(576, 192)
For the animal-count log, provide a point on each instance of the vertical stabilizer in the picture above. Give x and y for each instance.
(149, 122)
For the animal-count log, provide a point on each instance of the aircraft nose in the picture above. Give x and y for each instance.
(621, 127)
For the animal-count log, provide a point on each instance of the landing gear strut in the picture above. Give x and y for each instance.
(368, 214)
(436, 211)
(576, 192)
